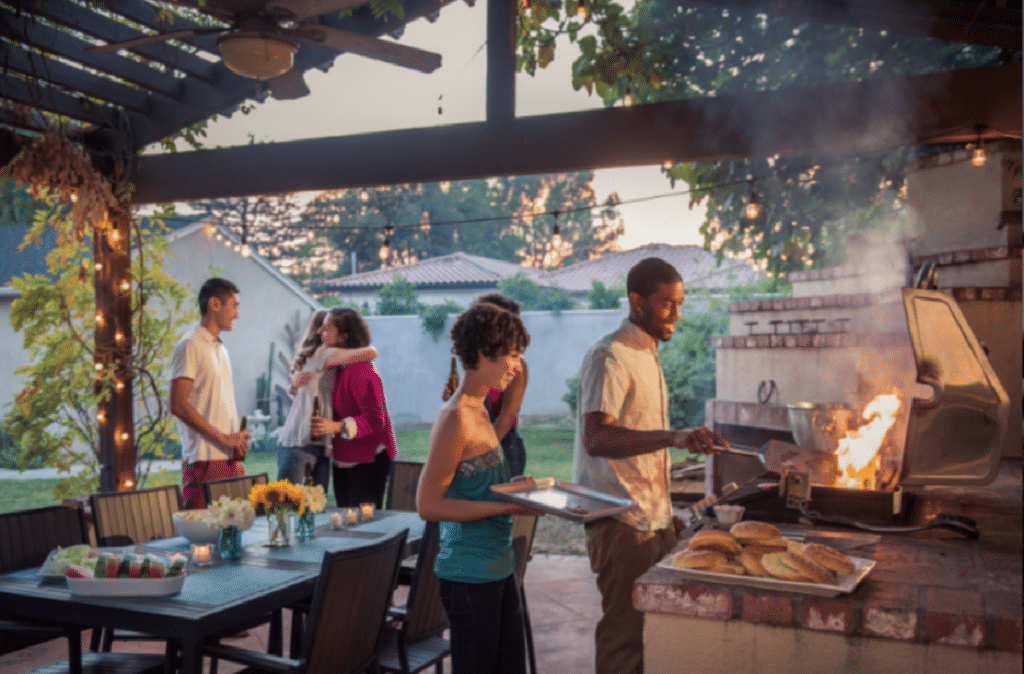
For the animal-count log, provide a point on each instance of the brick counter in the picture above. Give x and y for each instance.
(933, 600)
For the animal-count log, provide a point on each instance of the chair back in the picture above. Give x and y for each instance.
(350, 603)
(134, 517)
(426, 614)
(233, 487)
(404, 478)
(28, 536)
(523, 528)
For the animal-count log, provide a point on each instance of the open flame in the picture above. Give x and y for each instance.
(859, 453)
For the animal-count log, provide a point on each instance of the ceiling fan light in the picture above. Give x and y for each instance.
(258, 55)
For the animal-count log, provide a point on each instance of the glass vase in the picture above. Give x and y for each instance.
(229, 543)
(279, 526)
(306, 525)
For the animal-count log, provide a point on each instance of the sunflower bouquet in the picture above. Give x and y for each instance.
(278, 500)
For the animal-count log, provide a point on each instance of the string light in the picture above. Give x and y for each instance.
(556, 235)
(979, 157)
(119, 385)
(628, 99)
(668, 165)
(101, 416)
(98, 266)
(115, 236)
(124, 437)
(385, 248)
(581, 9)
(245, 250)
(129, 484)
(364, 196)
(99, 367)
(210, 229)
(753, 210)
(126, 285)
(99, 318)
(118, 336)
(310, 235)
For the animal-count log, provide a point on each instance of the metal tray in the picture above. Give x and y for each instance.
(844, 585)
(562, 499)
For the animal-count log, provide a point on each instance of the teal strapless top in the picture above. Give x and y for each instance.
(480, 551)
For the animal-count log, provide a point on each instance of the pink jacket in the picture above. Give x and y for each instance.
(359, 401)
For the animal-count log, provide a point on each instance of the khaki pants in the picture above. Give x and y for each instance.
(619, 554)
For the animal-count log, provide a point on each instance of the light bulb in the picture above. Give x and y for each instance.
(668, 165)
(129, 483)
(126, 285)
(99, 318)
(385, 249)
(119, 385)
(124, 436)
(101, 416)
(628, 100)
(581, 9)
(364, 196)
(118, 336)
(246, 251)
(753, 210)
(99, 366)
(209, 229)
(979, 157)
(309, 235)
(98, 266)
(115, 236)
(556, 236)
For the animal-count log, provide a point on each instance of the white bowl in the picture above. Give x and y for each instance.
(196, 531)
(729, 514)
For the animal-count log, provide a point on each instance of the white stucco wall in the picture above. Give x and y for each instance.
(12, 355)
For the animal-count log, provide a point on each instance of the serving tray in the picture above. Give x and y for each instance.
(562, 499)
(125, 587)
(843, 585)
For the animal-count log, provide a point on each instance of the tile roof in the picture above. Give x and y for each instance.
(698, 267)
(448, 270)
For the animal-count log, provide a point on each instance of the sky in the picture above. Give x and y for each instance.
(359, 95)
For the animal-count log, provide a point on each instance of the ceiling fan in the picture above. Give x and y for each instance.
(264, 36)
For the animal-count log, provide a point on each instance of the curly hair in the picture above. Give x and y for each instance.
(311, 341)
(351, 324)
(487, 330)
(500, 300)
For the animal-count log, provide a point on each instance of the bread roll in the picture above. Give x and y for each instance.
(808, 567)
(699, 559)
(830, 558)
(794, 546)
(730, 568)
(777, 568)
(764, 547)
(754, 532)
(712, 539)
(752, 564)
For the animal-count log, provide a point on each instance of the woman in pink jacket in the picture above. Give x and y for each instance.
(364, 441)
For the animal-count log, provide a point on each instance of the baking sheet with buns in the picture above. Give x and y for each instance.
(843, 582)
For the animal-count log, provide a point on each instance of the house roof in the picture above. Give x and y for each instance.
(698, 267)
(447, 271)
(198, 227)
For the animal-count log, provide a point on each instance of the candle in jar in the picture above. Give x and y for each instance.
(351, 515)
(336, 521)
(367, 510)
(201, 554)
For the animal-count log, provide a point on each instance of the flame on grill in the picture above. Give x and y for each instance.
(859, 453)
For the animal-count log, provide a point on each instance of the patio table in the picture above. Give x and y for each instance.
(215, 599)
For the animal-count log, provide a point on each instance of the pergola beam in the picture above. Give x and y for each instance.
(834, 118)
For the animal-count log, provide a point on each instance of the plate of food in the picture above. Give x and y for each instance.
(562, 499)
(755, 554)
(109, 573)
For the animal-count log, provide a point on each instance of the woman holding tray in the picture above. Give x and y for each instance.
(474, 565)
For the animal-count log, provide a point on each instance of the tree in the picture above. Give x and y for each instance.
(600, 297)
(398, 298)
(534, 297)
(56, 411)
(508, 218)
(660, 51)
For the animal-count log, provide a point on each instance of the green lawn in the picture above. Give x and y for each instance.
(549, 449)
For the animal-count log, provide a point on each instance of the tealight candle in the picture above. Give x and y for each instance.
(367, 510)
(201, 554)
(351, 515)
(336, 520)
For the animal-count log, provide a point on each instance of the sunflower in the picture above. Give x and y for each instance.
(268, 499)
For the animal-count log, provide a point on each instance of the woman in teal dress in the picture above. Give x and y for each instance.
(474, 565)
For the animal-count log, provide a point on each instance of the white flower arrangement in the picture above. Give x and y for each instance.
(230, 512)
(316, 500)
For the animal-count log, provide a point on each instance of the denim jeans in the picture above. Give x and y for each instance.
(291, 464)
(487, 633)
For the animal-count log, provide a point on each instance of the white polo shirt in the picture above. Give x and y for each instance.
(621, 376)
(201, 357)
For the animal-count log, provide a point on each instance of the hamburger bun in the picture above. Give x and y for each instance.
(730, 568)
(752, 564)
(748, 532)
(719, 541)
(766, 546)
(697, 559)
(794, 546)
(808, 567)
(777, 568)
(830, 558)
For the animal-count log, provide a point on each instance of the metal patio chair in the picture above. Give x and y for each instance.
(415, 641)
(404, 477)
(346, 619)
(523, 529)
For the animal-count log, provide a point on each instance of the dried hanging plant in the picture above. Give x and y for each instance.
(54, 161)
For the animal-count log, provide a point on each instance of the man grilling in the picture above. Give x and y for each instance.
(622, 441)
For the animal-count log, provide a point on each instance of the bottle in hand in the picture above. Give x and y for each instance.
(316, 413)
(453, 382)
(307, 480)
(239, 454)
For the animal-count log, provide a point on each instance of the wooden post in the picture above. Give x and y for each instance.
(501, 61)
(113, 282)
